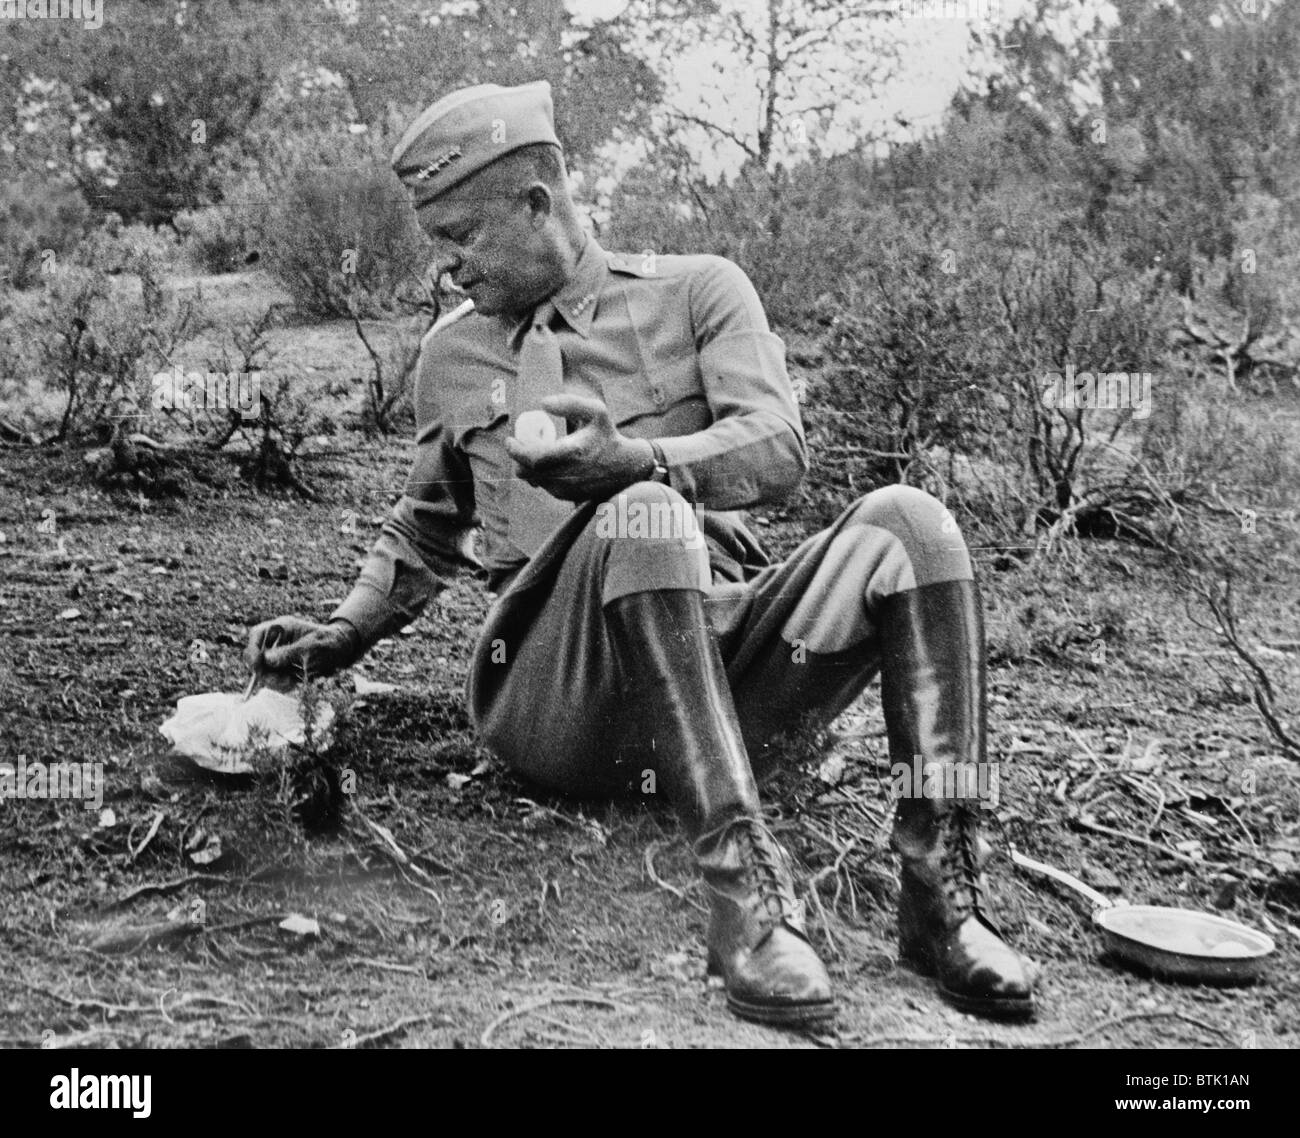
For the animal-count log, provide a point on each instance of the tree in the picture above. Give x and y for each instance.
(776, 79)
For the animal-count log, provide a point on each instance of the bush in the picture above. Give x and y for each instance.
(277, 409)
(37, 218)
(115, 248)
(100, 345)
(218, 239)
(390, 390)
(816, 220)
(344, 240)
(940, 344)
(177, 98)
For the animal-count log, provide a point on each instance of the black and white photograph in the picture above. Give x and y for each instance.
(651, 525)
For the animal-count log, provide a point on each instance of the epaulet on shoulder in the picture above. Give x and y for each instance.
(448, 318)
(648, 264)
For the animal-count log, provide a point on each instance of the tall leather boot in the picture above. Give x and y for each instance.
(673, 673)
(933, 692)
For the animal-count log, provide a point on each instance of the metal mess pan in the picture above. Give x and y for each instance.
(1176, 944)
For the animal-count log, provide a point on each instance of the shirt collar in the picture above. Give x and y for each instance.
(577, 299)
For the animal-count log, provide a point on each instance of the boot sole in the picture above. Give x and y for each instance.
(1010, 1008)
(990, 1007)
(783, 1015)
(794, 1014)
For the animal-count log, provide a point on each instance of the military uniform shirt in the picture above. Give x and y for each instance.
(677, 347)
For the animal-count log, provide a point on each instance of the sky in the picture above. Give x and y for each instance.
(706, 76)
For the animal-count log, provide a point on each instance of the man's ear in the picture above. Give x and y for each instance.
(540, 202)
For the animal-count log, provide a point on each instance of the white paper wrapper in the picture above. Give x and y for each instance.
(215, 729)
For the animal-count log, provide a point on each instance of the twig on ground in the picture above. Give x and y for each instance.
(834, 867)
(132, 938)
(550, 811)
(825, 921)
(94, 1037)
(80, 1002)
(149, 837)
(161, 888)
(387, 967)
(416, 885)
(393, 1029)
(401, 860)
(581, 1032)
(247, 922)
(1110, 831)
(649, 862)
(485, 1040)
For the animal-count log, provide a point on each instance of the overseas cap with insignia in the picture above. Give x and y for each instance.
(468, 129)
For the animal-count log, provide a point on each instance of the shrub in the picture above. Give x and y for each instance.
(797, 236)
(279, 408)
(37, 218)
(115, 248)
(177, 97)
(100, 345)
(390, 389)
(343, 239)
(217, 238)
(941, 347)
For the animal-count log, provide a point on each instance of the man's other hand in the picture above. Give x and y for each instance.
(590, 463)
(291, 648)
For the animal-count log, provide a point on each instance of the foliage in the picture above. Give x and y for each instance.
(40, 222)
(100, 344)
(217, 239)
(283, 412)
(343, 239)
(115, 248)
(390, 390)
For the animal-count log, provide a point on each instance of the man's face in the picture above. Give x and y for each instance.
(497, 244)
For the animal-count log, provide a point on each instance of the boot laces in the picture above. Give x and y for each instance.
(765, 859)
(962, 880)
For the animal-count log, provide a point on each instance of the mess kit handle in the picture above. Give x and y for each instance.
(1099, 900)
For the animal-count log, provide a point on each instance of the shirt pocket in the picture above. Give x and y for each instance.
(648, 371)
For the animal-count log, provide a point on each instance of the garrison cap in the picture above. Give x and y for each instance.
(468, 129)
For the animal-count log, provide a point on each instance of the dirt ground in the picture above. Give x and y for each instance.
(457, 906)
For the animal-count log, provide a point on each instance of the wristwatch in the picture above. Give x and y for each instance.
(660, 471)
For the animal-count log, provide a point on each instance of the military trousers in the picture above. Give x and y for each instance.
(798, 640)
